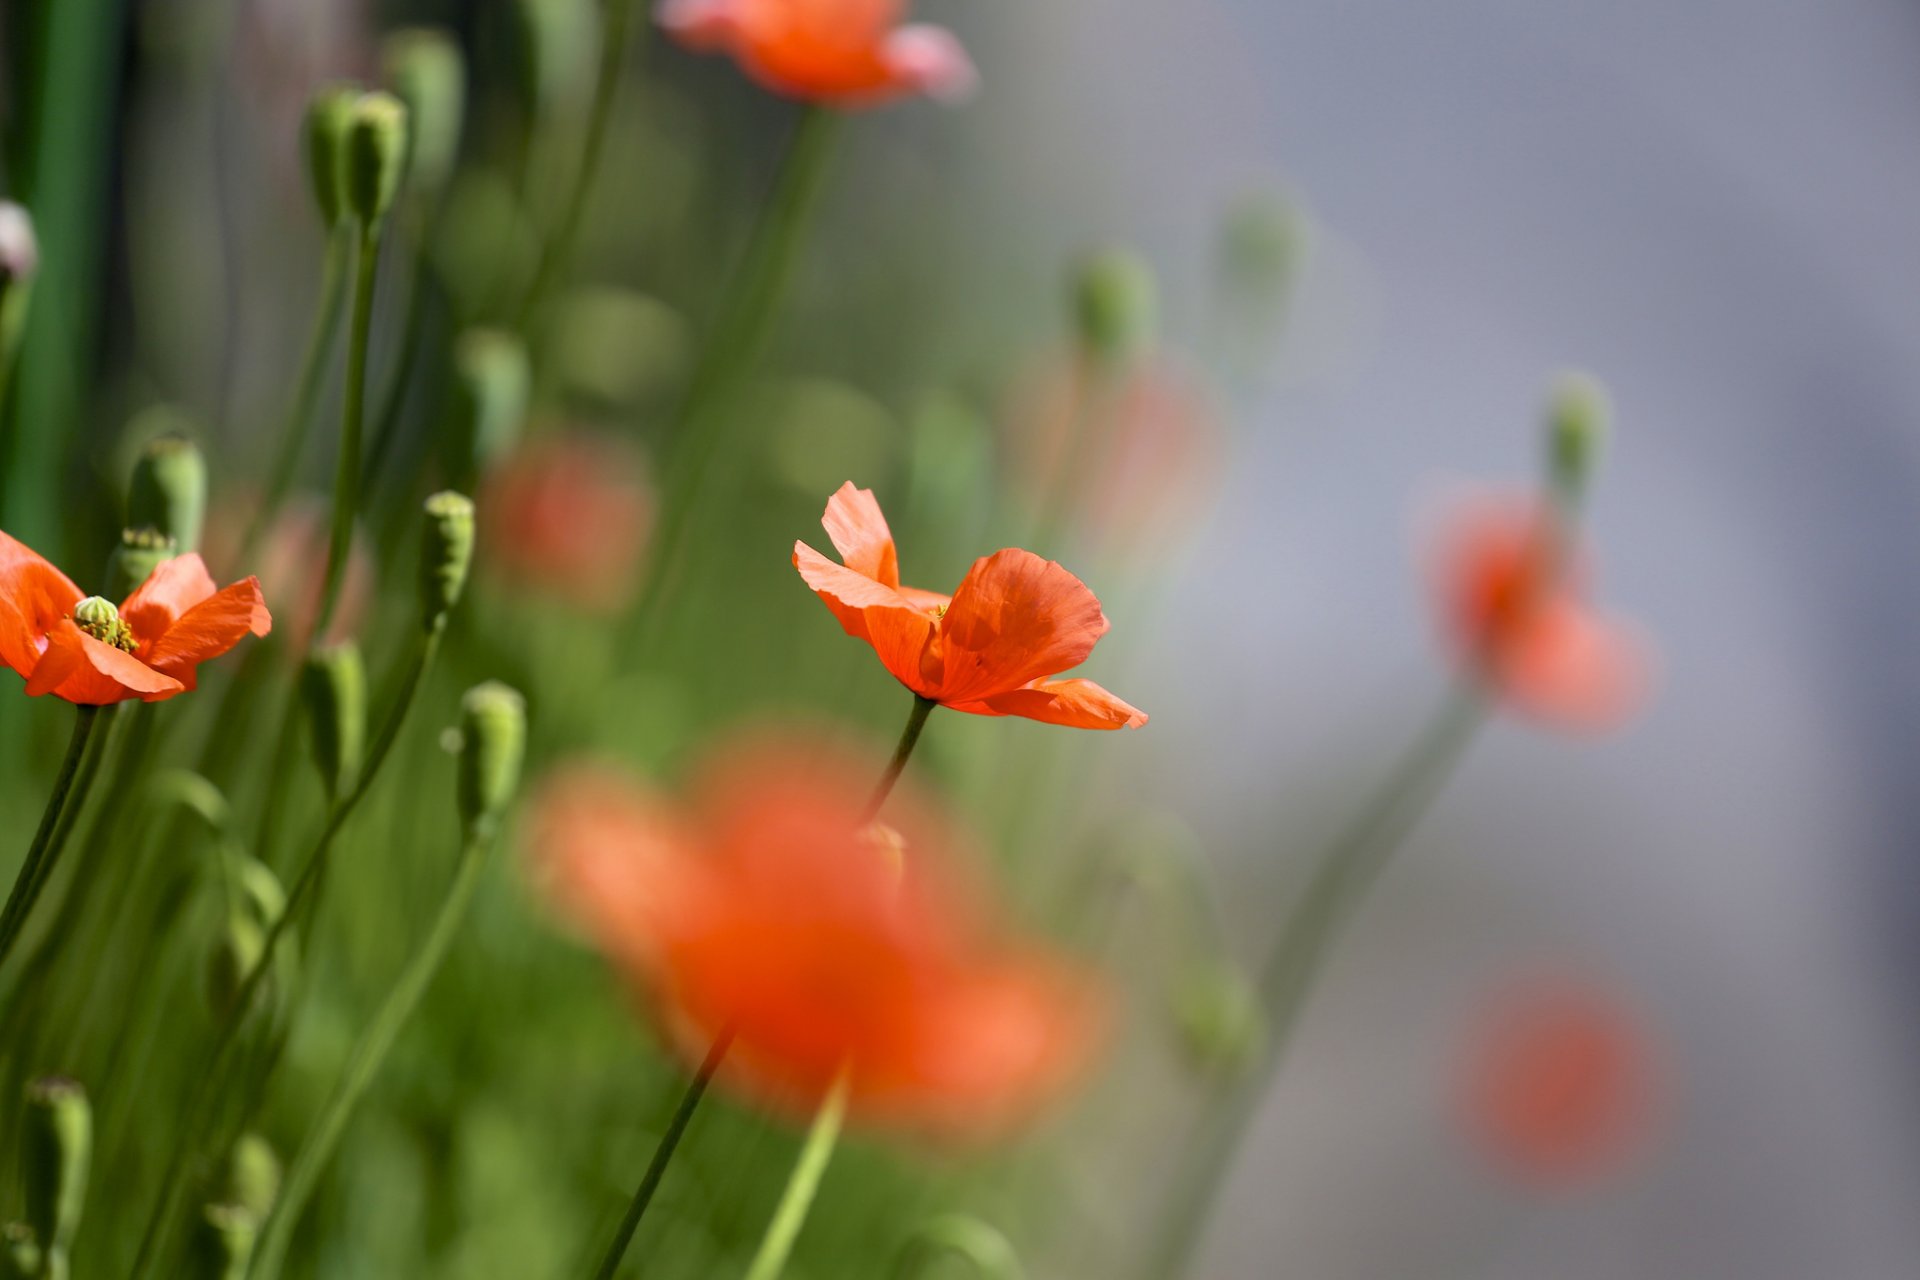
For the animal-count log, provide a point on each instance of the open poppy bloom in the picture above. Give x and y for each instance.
(1510, 594)
(843, 52)
(88, 652)
(991, 648)
(772, 908)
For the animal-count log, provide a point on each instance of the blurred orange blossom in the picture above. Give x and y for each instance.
(569, 515)
(840, 52)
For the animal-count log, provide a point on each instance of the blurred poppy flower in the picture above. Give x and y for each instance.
(1560, 1085)
(86, 651)
(771, 906)
(991, 648)
(841, 52)
(1511, 599)
(292, 562)
(569, 515)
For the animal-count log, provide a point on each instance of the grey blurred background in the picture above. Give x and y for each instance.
(1714, 206)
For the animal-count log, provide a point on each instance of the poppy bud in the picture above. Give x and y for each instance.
(446, 554)
(253, 1176)
(1221, 1024)
(493, 738)
(335, 687)
(1262, 240)
(169, 490)
(19, 248)
(1114, 305)
(427, 73)
(140, 552)
(492, 380)
(19, 1252)
(376, 156)
(329, 117)
(556, 45)
(1577, 414)
(56, 1147)
(100, 618)
(234, 956)
(223, 1241)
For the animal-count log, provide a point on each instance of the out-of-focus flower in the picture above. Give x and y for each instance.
(86, 651)
(569, 515)
(292, 566)
(1510, 592)
(771, 907)
(843, 52)
(991, 648)
(1560, 1087)
(19, 249)
(1133, 452)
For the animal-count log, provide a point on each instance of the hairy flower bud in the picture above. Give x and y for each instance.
(329, 117)
(376, 156)
(493, 740)
(1577, 415)
(169, 490)
(133, 561)
(427, 73)
(253, 1176)
(56, 1149)
(334, 685)
(223, 1241)
(446, 555)
(492, 382)
(1114, 302)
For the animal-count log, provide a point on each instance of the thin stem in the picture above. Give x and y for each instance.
(368, 1056)
(909, 738)
(802, 1185)
(1341, 876)
(353, 414)
(985, 1250)
(45, 849)
(663, 1155)
(614, 29)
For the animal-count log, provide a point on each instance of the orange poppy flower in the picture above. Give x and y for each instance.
(991, 648)
(1560, 1084)
(569, 515)
(88, 652)
(843, 52)
(771, 906)
(1510, 595)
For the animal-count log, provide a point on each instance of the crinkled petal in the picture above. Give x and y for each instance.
(34, 596)
(869, 611)
(1572, 669)
(1016, 618)
(859, 533)
(1077, 704)
(173, 588)
(82, 670)
(209, 629)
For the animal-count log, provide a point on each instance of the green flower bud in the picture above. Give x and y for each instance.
(99, 618)
(1220, 1020)
(1577, 415)
(140, 552)
(557, 45)
(427, 73)
(169, 490)
(56, 1147)
(253, 1176)
(334, 685)
(1262, 241)
(446, 554)
(223, 1241)
(376, 156)
(234, 955)
(1114, 303)
(492, 382)
(19, 1252)
(329, 118)
(493, 739)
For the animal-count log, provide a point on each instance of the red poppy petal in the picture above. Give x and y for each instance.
(34, 596)
(929, 60)
(1016, 618)
(209, 629)
(1077, 704)
(859, 532)
(82, 670)
(869, 611)
(1571, 669)
(174, 587)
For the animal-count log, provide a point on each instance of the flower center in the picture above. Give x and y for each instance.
(99, 619)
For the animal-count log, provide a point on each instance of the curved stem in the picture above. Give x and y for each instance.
(802, 1185)
(663, 1155)
(982, 1247)
(1341, 876)
(353, 415)
(45, 849)
(909, 738)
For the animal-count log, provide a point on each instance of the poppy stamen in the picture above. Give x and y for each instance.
(98, 617)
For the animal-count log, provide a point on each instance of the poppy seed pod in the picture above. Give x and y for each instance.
(1115, 305)
(223, 1241)
(19, 1252)
(376, 156)
(493, 730)
(1577, 415)
(492, 381)
(169, 490)
(329, 117)
(427, 73)
(253, 1176)
(334, 685)
(19, 247)
(56, 1146)
(140, 552)
(446, 555)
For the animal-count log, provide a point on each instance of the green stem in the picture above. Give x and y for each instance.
(368, 1056)
(1341, 876)
(45, 850)
(353, 414)
(616, 23)
(299, 422)
(663, 1155)
(802, 1185)
(984, 1248)
(909, 738)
